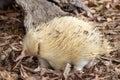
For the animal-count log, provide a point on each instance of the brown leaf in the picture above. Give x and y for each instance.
(12, 14)
(5, 75)
(108, 5)
(109, 19)
(96, 77)
(15, 47)
(23, 73)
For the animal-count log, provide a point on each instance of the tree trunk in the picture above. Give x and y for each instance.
(38, 11)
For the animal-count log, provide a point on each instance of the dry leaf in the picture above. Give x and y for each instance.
(109, 19)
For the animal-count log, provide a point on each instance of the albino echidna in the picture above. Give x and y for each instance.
(65, 40)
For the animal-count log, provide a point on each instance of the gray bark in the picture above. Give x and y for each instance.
(38, 11)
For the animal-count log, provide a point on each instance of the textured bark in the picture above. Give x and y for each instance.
(38, 11)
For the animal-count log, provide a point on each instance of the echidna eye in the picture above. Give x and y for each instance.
(38, 52)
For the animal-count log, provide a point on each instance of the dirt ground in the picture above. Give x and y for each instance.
(106, 13)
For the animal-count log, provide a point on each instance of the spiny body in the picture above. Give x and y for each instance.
(66, 40)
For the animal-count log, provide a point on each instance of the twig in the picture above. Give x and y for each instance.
(29, 69)
(16, 65)
(66, 71)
